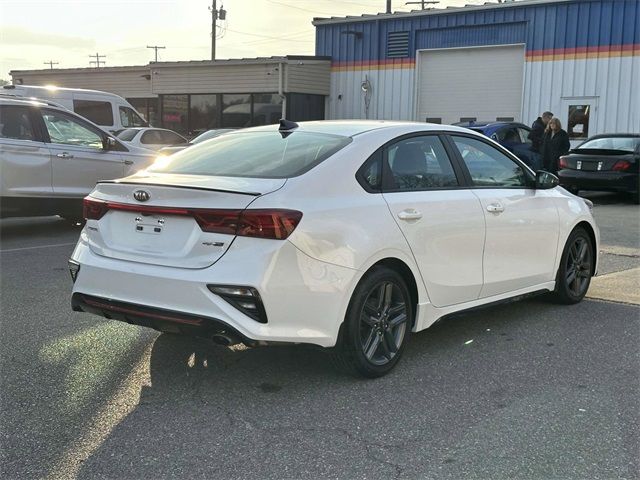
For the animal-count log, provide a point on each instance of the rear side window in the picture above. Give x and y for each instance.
(170, 138)
(151, 137)
(612, 143)
(420, 163)
(99, 113)
(15, 122)
(255, 154)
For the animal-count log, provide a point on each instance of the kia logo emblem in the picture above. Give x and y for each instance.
(141, 195)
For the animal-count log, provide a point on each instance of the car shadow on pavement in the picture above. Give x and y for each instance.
(520, 390)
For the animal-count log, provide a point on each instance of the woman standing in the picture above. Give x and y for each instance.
(554, 144)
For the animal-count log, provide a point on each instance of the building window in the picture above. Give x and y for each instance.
(236, 110)
(175, 112)
(147, 107)
(204, 113)
(578, 124)
(267, 109)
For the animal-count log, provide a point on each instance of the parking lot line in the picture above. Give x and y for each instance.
(36, 247)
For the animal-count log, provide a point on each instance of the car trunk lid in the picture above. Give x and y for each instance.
(182, 221)
(592, 160)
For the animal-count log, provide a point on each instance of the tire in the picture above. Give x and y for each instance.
(576, 267)
(376, 325)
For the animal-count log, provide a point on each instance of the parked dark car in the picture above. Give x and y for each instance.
(513, 136)
(200, 138)
(607, 162)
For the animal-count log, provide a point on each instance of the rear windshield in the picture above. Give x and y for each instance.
(611, 143)
(127, 135)
(254, 154)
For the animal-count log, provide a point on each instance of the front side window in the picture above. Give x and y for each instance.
(420, 163)
(68, 131)
(255, 154)
(488, 166)
(130, 118)
(99, 113)
(524, 135)
(15, 122)
(508, 135)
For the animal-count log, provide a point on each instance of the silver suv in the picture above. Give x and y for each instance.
(51, 158)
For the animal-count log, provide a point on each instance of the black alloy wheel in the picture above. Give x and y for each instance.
(376, 326)
(576, 268)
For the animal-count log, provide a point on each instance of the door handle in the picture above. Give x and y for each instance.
(495, 208)
(128, 162)
(64, 155)
(410, 214)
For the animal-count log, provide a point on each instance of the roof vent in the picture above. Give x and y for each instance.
(397, 44)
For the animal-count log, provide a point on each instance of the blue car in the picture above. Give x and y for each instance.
(513, 136)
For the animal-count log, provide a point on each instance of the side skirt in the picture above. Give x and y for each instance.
(427, 314)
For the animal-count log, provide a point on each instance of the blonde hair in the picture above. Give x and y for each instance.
(555, 120)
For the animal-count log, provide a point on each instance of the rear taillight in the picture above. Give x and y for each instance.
(94, 209)
(621, 166)
(564, 162)
(275, 224)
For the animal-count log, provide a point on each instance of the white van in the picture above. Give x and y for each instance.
(107, 110)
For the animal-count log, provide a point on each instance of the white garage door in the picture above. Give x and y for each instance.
(484, 83)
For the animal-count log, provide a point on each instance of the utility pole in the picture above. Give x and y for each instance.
(97, 61)
(388, 6)
(423, 3)
(156, 48)
(215, 15)
(51, 63)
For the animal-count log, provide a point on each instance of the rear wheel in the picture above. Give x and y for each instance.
(576, 267)
(376, 325)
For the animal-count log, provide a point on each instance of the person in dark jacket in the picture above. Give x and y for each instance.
(537, 131)
(554, 144)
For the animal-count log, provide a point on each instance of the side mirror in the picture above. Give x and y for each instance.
(109, 143)
(546, 180)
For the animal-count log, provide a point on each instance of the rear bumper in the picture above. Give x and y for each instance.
(605, 181)
(305, 299)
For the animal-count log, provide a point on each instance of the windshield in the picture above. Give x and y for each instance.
(611, 143)
(254, 154)
(127, 135)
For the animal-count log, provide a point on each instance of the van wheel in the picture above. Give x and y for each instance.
(376, 325)
(576, 267)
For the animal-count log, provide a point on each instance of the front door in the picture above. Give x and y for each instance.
(522, 222)
(78, 158)
(443, 224)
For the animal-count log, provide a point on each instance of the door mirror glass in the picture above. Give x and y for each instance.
(546, 180)
(109, 143)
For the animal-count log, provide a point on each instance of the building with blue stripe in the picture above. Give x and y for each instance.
(512, 60)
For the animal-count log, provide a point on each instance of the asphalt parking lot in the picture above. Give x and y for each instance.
(524, 390)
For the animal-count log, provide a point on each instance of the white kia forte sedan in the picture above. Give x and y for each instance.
(347, 235)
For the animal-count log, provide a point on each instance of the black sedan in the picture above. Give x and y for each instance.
(607, 162)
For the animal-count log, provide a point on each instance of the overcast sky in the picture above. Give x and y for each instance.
(68, 31)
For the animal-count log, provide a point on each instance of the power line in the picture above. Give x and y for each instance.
(51, 63)
(156, 48)
(97, 60)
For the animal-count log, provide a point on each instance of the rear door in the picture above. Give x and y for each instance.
(78, 158)
(522, 223)
(443, 223)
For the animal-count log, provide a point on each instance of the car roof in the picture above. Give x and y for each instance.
(5, 100)
(614, 135)
(350, 128)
